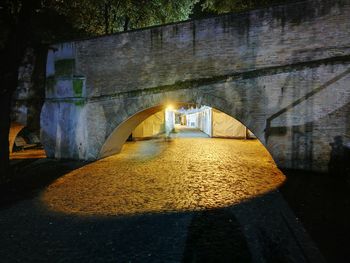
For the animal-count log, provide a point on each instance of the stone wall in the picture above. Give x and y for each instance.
(209, 48)
(282, 71)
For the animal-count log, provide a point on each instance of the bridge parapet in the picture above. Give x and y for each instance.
(282, 71)
(207, 49)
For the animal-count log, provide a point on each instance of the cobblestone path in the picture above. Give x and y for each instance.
(181, 200)
(157, 176)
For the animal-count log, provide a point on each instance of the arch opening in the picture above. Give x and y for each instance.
(15, 129)
(203, 121)
(121, 133)
(24, 144)
(177, 117)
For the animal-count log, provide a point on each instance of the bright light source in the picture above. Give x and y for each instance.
(170, 107)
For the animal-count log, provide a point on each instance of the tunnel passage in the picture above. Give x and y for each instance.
(122, 132)
(164, 119)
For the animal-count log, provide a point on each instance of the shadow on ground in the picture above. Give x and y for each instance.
(30, 176)
(246, 232)
(259, 230)
(322, 203)
(215, 236)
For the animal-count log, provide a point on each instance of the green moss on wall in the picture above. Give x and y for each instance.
(64, 67)
(79, 103)
(78, 87)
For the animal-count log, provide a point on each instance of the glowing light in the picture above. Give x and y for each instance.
(207, 173)
(170, 107)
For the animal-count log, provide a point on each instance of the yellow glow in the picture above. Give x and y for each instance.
(170, 107)
(28, 154)
(149, 177)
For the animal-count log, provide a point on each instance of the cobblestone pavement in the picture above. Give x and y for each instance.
(157, 176)
(180, 200)
(181, 131)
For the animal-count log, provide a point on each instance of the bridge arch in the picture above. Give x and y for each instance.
(121, 128)
(287, 81)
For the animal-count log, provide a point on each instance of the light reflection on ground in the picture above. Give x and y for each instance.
(28, 154)
(183, 174)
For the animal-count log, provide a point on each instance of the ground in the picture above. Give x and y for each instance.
(175, 200)
(322, 202)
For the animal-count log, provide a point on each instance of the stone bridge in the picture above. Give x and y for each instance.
(283, 71)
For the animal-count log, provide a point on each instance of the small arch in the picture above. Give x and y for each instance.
(15, 129)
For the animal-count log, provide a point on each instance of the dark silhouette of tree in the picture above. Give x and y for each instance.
(23, 24)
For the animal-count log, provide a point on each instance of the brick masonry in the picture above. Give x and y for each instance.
(282, 71)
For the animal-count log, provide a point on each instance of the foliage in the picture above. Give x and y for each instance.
(54, 20)
(34, 21)
(109, 16)
(226, 6)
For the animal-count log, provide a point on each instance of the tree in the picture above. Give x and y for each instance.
(15, 19)
(110, 16)
(226, 6)
(23, 24)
